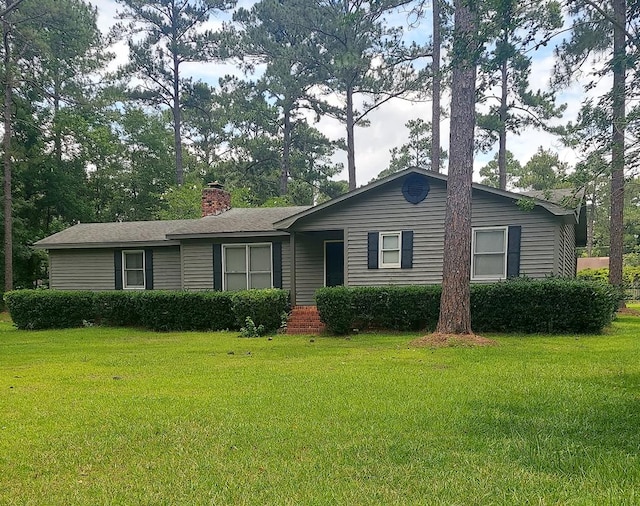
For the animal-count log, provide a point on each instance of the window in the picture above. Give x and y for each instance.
(390, 244)
(247, 266)
(133, 270)
(489, 257)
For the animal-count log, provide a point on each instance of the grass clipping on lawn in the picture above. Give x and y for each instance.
(439, 340)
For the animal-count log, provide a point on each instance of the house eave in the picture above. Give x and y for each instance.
(217, 235)
(104, 245)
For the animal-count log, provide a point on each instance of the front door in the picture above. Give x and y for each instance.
(333, 263)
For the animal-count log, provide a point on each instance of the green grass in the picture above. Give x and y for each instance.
(119, 416)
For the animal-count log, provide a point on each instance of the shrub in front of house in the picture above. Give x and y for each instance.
(551, 305)
(519, 305)
(176, 310)
(156, 310)
(335, 308)
(264, 307)
(118, 308)
(47, 309)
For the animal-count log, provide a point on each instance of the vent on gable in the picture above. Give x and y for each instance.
(415, 188)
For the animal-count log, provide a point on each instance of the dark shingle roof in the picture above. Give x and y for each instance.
(235, 221)
(239, 220)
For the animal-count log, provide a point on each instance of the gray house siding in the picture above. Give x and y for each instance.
(167, 273)
(197, 260)
(385, 209)
(197, 265)
(84, 269)
(93, 269)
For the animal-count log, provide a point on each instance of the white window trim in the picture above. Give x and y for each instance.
(394, 265)
(124, 270)
(504, 252)
(247, 247)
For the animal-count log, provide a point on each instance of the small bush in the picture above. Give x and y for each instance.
(334, 306)
(520, 305)
(264, 307)
(250, 329)
(45, 309)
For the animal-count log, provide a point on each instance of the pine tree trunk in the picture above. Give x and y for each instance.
(435, 90)
(7, 197)
(177, 121)
(285, 165)
(502, 150)
(351, 157)
(617, 147)
(455, 304)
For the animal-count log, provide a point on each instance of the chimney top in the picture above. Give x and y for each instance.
(215, 200)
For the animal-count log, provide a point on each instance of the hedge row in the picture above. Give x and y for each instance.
(157, 310)
(630, 275)
(520, 305)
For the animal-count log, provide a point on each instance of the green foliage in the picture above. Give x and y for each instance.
(177, 310)
(334, 306)
(519, 305)
(491, 172)
(630, 275)
(264, 307)
(552, 305)
(250, 329)
(48, 309)
(416, 152)
(182, 202)
(153, 309)
(117, 308)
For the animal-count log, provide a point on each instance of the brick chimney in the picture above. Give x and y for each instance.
(215, 200)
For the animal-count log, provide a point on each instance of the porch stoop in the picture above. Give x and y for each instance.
(305, 320)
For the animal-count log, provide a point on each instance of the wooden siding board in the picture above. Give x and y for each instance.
(81, 269)
(385, 209)
(197, 265)
(167, 274)
(310, 267)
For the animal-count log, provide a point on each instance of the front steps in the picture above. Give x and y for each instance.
(305, 320)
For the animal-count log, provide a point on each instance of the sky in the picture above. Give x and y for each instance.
(387, 124)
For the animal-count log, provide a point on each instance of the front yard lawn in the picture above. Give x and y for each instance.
(119, 416)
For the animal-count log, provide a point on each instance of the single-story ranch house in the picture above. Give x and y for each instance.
(388, 232)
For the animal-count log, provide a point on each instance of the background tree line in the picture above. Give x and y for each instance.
(84, 142)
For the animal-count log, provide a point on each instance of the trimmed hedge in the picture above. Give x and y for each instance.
(264, 307)
(44, 309)
(519, 305)
(389, 307)
(157, 310)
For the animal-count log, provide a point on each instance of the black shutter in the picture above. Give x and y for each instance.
(513, 251)
(117, 268)
(407, 249)
(276, 251)
(217, 266)
(372, 250)
(148, 269)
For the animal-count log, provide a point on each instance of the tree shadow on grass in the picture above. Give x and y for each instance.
(567, 432)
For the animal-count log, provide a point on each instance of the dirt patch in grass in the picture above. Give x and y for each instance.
(437, 340)
(628, 311)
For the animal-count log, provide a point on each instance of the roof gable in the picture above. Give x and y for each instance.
(550, 207)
